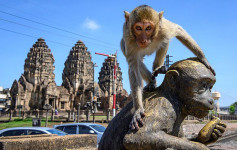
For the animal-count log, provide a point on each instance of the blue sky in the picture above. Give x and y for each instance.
(212, 23)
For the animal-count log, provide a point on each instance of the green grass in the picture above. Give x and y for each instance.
(24, 123)
(99, 117)
(18, 122)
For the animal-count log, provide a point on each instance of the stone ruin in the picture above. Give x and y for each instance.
(36, 86)
(78, 76)
(106, 84)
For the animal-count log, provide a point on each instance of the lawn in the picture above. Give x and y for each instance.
(18, 122)
(24, 123)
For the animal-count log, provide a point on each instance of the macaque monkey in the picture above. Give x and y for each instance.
(144, 32)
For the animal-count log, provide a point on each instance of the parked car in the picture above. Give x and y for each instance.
(18, 131)
(82, 128)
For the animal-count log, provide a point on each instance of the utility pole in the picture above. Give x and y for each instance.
(114, 78)
(94, 65)
(167, 62)
(114, 86)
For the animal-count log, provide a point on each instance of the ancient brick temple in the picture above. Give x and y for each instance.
(36, 85)
(78, 75)
(106, 82)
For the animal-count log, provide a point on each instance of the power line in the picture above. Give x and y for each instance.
(43, 24)
(51, 32)
(33, 36)
(38, 17)
(13, 22)
(6, 6)
(38, 37)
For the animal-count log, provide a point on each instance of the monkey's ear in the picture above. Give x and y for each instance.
(171, 77)
(126, 14)
(161, 15)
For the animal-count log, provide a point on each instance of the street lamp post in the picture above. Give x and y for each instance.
(47, 107)
(94, 65)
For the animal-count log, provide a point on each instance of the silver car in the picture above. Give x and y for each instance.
(82, 128)
(18, 131)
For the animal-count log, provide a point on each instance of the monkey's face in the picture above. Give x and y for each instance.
(198, 97)
(192, 82)
(143, 32)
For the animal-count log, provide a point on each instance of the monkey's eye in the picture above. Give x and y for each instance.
(138, 28)
(203, 88)
(148, 28)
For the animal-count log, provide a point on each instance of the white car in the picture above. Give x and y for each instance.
(18, 131)
(82, 128)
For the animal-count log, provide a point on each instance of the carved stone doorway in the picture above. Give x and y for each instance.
(53, 101)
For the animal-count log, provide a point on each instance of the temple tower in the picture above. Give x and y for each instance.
(106, 80)
(36, 85)
(78, 75)
(39, 64)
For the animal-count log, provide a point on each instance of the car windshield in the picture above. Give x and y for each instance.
(58, 132)
(98, 128)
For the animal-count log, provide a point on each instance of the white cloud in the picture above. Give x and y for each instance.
(90, 24)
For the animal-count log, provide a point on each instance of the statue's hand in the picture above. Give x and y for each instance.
(211, 131)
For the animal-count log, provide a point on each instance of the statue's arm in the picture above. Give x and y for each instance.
(159, 140)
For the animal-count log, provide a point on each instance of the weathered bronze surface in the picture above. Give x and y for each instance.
(186, 90)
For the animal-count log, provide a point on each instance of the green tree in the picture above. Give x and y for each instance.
(232, 109)
(235, 104)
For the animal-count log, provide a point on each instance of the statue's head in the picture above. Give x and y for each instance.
(191, 83)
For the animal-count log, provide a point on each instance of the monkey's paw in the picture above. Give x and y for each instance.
(158, 70)
(137, 122)
(206, 63)
(212, 131)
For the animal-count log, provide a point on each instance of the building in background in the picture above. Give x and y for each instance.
(220, 110)
(216, 96)
(5, 99)
(106, 84)
(224, 110)
(36, 86)
(78, 75)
